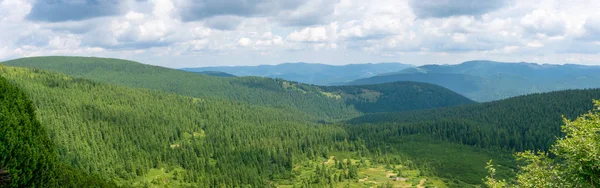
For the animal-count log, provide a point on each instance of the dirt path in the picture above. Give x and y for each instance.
(422, 183)
(363, 180)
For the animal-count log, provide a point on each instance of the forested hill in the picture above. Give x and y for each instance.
(19, 129)
(489, 80)
(392, 97)
(140, 137)
(310, 73)
(526, 122)
(27, 155)
(313, 100)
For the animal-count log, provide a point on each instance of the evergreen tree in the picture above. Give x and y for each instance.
(573, 161)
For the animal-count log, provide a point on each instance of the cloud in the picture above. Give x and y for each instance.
(535, 44)
(544, 22)
(198, 10)
(367, 22)
(448, 8)
(73, 10)
(285, 12)
(592, 29)
(311, 34)
(224, 22)
(244, 42)
(312, 12)
(328, 31)
(68, 42)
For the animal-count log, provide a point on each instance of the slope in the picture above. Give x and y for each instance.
(27, 156)
(456, 142)
(488, 80)
(459, 83)
(527, 122)
(140, 137)
(310, 73)
(313, 100)
(397, 96)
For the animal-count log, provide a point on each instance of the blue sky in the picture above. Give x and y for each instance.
(192, 33)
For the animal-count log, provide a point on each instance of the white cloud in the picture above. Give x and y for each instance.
(535, 44)
(326, 31)
(134, 16)
(544, 22)
(201, 32)
(66, 42)
(311, 34)
(511, 49)
(271, 41)
(244, 42)
(459, 37)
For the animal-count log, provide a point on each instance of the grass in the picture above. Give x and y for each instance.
(187, 138)
(424, 163)
(163, 177)
(369, 174)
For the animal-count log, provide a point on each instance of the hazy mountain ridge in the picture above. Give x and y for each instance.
(310, 73)
(216, 73)
(489, 80)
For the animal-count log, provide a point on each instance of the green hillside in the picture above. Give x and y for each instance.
(520, 123)
(138, 137)
(397, 96)
(493, 129)
(25, 147)
(313, 100)
(27, 154)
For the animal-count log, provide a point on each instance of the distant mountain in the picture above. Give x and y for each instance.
(320, 102)
(310, 73)
(489, 80)
(391, 97)
(216, 73)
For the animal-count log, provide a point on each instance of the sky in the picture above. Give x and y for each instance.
(195, 33)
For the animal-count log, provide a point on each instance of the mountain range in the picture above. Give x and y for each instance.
(489, 80)
(309, 73)
(479, 80)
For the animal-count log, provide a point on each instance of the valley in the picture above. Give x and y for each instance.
(119, 123)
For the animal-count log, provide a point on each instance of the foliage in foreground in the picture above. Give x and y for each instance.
(27, 155)
(573, 161)
(24, 146)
